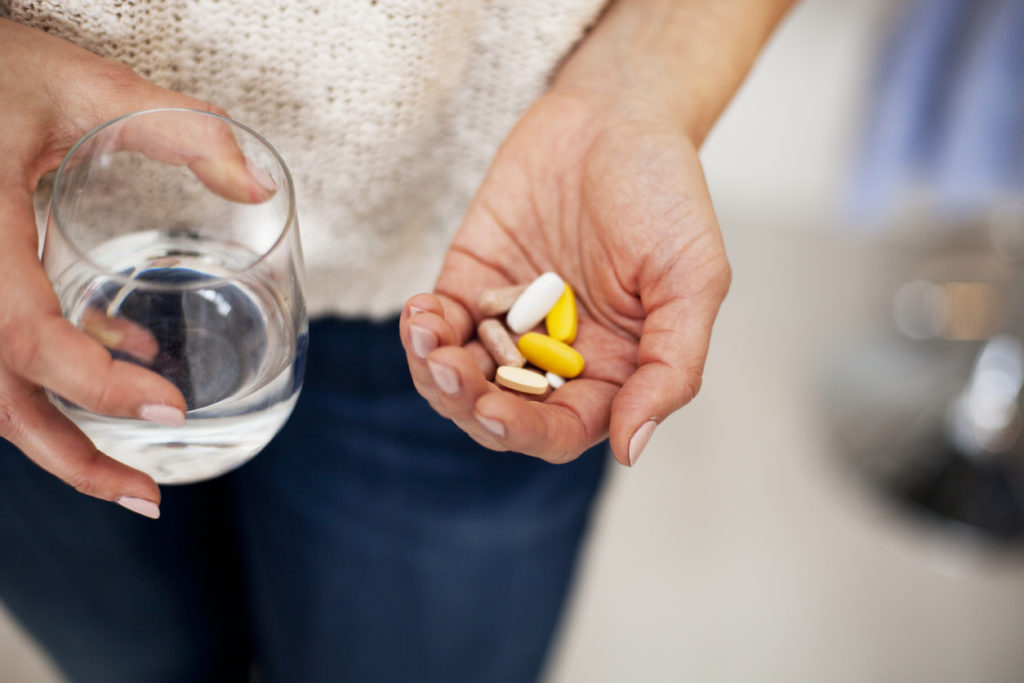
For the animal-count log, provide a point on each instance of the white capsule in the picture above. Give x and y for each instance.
(534, 303)
(554, 380)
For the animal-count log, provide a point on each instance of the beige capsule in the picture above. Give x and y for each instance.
(499, 344)
(498, 301)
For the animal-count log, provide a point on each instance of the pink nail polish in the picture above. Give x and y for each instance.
(146, 508)
(639, 440)
(445, 378)
(261, 177)
(423, 341)
(496, 427)
(162, 414)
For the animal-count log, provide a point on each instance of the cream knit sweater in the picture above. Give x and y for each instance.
(387, 111)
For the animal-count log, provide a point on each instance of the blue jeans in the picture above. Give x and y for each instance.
(371, 541)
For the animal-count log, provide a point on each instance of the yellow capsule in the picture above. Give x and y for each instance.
(561, 320)
(550, 354)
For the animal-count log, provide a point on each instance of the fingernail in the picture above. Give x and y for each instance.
(146, 508)
(639, 440)
(445, 378)
(261, 177)
(162, 414)
(423, 341)
(109, 338)
(496, 427)
(416, 310)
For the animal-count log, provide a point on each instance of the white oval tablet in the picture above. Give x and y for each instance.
(554, 380)
(521, 379)
(535, 302)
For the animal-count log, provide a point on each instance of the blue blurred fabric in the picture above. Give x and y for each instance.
(946, 116)
(371, 541)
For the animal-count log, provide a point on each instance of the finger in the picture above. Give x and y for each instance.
(38, 344)
(483, 359)
(120, 334)
(421, 338)
(96, 90)
(205, 144)
(454, 381)
(424, 329)
(49, 439)
(449, 376)
(453, 387)
(559, 429)
(51, 352)
(672, 350)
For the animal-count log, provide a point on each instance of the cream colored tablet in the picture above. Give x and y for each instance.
(521, 379)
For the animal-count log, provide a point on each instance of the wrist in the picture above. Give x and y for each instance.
(684, 58)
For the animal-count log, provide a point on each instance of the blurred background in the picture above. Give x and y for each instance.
(843, 501)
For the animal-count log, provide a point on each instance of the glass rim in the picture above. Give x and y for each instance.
(287, 227)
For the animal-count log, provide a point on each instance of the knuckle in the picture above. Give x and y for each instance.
(80, 477)
(117, 81)
(213, 109)
(20, 349)
(9, 422)
(725, 276)
(99, 396)
(690, 387)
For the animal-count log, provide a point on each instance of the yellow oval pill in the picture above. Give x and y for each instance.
(561, 320)
(550, 354)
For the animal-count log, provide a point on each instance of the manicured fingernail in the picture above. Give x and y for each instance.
(261, 177)
(496, 427)
(162, 414)
(423, 341)
(639, 440)
(445, 378)
(146, 508)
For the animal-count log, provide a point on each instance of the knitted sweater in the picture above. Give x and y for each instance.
(388, 112)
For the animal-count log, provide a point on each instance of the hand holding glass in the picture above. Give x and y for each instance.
(172, 240)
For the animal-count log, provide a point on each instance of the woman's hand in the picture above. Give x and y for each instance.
(610, 195)
(600, 182)
(53, 93)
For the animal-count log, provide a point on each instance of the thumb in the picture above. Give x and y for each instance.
(670, 362)
(205, 142)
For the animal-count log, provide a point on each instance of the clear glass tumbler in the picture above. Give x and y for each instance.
(172, 240)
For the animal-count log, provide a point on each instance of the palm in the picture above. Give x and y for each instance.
(617, 207)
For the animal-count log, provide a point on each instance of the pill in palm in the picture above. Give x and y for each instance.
(534, 303)
(551, 355)
(561, 320)
(498, 343)
(521, 379)
(498, 301)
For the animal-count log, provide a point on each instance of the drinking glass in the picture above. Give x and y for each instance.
(172, 240)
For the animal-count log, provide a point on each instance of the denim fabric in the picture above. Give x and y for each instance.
(371, 541)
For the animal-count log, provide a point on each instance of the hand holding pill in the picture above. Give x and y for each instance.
(610, 201)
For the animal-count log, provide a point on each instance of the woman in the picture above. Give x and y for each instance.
(467, 146)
